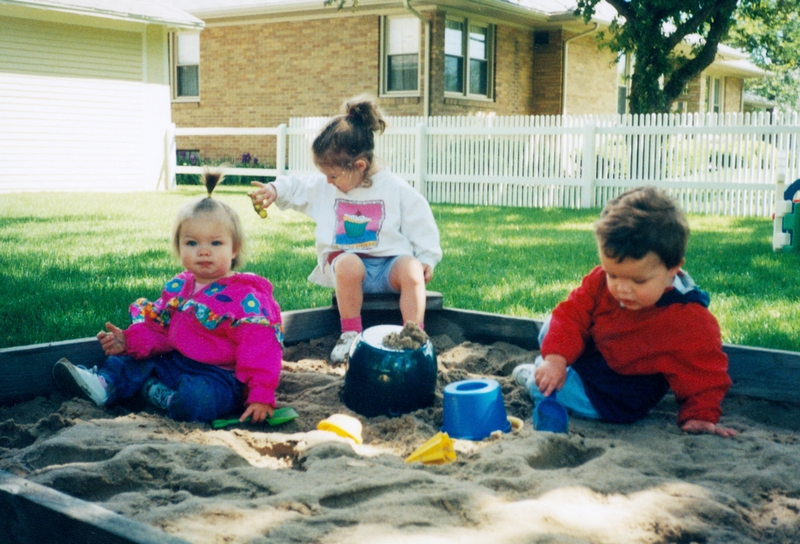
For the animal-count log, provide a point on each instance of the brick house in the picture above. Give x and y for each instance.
(259, 62)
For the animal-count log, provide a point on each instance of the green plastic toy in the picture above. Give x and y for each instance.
(280, 416)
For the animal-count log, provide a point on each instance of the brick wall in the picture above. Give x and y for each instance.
(734, 87)
(547, 63)
(591, 78)
(260, 75)
(513, 75)
(693, 95)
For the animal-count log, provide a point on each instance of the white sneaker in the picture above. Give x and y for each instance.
(342, 348)
(79, 381)
(523, 374)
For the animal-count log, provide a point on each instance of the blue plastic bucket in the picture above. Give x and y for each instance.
(474, 409)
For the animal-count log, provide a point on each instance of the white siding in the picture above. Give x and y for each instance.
(73, 108)
(43, 48)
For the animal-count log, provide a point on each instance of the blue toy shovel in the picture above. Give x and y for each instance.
(550, 415)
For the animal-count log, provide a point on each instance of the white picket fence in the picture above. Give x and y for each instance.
(726, 165)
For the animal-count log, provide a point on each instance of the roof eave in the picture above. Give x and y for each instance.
(487, 8)
(189, 22)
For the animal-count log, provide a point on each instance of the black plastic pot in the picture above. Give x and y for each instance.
(386, 381)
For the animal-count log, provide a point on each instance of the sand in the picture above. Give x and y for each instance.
(600, 483)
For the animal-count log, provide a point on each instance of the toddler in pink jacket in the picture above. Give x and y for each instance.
(209, 346)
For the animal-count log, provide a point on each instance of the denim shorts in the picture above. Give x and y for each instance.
(377, 269)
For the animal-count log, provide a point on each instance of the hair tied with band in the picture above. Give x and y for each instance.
(211, 178)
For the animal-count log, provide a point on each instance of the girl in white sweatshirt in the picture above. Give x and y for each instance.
(374, 232)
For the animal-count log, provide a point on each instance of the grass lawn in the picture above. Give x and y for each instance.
(72, 261)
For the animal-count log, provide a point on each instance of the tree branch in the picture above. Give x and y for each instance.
(706, 55)
(623, 8)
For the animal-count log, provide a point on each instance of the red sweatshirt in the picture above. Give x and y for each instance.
(681, 341)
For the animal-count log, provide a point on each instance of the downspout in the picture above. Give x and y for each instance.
(426, 93)
(564, 59)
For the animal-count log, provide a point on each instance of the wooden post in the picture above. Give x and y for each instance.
(782, 207)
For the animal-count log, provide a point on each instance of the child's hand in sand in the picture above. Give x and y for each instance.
(258, 412)
(264, 195)
(113, 341)
(696, 426)
(551, 374)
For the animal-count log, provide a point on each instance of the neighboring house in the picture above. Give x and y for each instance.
(259, 62)
(720, 88)
(754, 103)
(84, 93)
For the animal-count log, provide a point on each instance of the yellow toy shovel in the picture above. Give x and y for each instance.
(436, 451)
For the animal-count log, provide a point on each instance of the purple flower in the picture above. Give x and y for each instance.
(246, 158)
(193, 159)
(255, 161)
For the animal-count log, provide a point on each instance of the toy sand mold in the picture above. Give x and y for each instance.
(36, 513)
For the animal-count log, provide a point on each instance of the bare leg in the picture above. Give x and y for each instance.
(407, 277)
(350, 273)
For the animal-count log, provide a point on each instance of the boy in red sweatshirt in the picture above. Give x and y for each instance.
(636, 327)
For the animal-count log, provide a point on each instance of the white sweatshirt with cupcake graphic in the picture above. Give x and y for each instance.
(388, 219)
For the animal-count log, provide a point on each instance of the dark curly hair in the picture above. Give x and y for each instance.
(642, 220)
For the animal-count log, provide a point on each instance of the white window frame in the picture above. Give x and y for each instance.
(467, 25)
(175, 64)
(680, 106)
(624, 75)
(715, 94)
(385, 54)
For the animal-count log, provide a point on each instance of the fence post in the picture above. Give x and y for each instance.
(280, 146)
(589, 165)
(780, 239)
(421, 160)
(170, 158)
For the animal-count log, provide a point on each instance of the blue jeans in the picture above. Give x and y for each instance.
(202, 392)
(572, 395)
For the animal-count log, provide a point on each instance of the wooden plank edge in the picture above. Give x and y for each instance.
(756, 372)
(34, 513)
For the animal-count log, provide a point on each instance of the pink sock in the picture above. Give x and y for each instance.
(352, 324)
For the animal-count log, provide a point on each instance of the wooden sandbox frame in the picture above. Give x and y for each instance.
(34, 513)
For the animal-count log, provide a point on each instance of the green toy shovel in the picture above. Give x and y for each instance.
(281, 415)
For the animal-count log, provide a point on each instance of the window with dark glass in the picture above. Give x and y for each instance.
(453, 57)
(467, 58)
(478, 60)
(402, 54)
(623, 77)
(186, 61)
